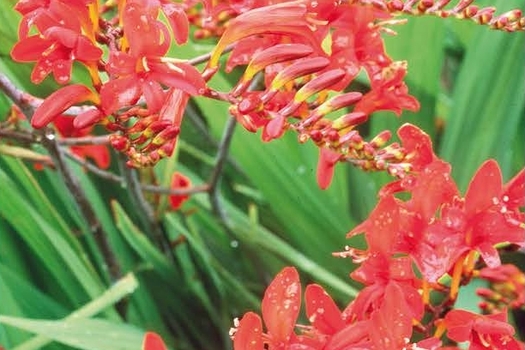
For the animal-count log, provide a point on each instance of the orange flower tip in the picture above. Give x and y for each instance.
(153, 341)
(60, 101)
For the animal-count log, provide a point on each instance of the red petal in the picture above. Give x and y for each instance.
(87, 118)
(153, 341)
(434, 187)
(459, 324)
(382, 226)
(275, 127)
(280, 305)
(119, 93)
(322, 311)
(178, 22)
(62, 71)
(174, 106)
(275, 54)
(98, 153)
(515, 191)
(154, 95)
(418, 144)
(353, 336)
(146, 36)
(85, 50)
(484, 188)
(179, 181)
(249, 333)
(392, 322)
(64, 36)
(325, 168)
(58, 102)
(30, 48)
(178, 75)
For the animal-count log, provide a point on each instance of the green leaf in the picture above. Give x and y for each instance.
(120, 289)
(46, 242)
(487, 105)
(88, 334)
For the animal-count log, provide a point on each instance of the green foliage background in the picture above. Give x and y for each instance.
(471, 84)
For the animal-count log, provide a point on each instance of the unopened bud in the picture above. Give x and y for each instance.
(349, 120)
(381, 139)
(120, 143)
(340, 101)
(298, 69)
(486, 14)
(275, 54)
(323, 81)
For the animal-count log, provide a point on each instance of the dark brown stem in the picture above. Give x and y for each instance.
(78, 194)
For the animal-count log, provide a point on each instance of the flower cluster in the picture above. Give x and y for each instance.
(433, 242)
(138, 92)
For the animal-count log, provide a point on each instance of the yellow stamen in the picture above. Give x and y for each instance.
(440, 329)
(426, 292)
(456, 277)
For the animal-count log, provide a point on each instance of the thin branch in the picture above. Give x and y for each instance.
(29, 103)
(20, 98)
(73, 185)
(146, 187)
(146, 214)
(48, 140)
(222, 154)
(24, 137)
(206, 57)
(84, 140)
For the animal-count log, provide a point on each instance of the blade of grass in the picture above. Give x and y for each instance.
(47, 243)
(488, 105)
(76, 330)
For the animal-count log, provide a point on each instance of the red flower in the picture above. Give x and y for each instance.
(142, 70)
(153, 341)
(280, 308)
(485, 217)
(66, 34)
(179, 182)
(483, 332)
(389, 92)
(380, 274)
(54, 51)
